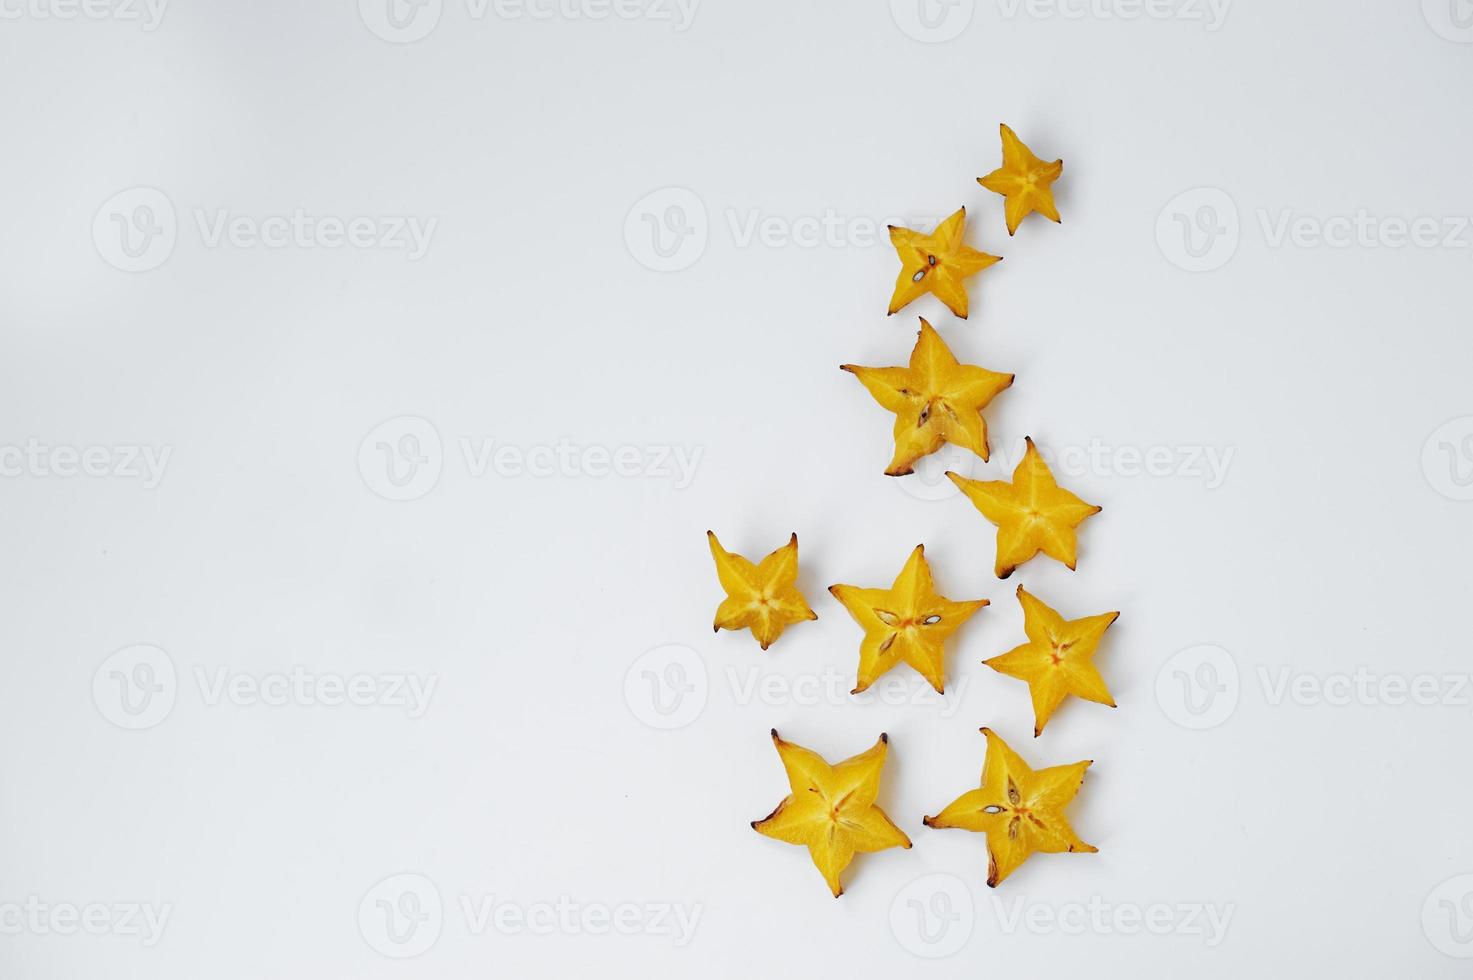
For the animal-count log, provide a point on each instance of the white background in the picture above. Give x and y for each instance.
(1332, 542)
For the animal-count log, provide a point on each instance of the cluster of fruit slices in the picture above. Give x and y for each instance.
(936, 400)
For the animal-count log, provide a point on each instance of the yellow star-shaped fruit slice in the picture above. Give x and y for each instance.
(1032, 514)
(1057, 660)
(763, 597)
(907, 622)
(1024, 180)
(1021, 811)
(936, 263)
(831, 809)
(935, 400)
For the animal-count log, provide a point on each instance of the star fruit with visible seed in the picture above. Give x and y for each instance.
(1021, 810)
(907, 622)
(936, 263)
(935, 399)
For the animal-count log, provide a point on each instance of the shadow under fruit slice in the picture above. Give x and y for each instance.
(831, 809)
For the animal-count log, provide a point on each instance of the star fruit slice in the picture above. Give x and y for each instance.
(1019, 809)
(936, 263)
(907, 622)
(935, 399)
(1057, 660)
(831, 809)
(763, 597)
(1032, 514)
(1025, 181)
